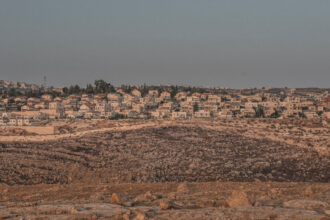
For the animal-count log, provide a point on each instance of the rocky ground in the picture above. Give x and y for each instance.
(214, 200)
(174, 153)
(232, 170)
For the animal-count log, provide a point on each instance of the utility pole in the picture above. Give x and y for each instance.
(45, 82)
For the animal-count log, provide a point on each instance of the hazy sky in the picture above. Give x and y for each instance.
(232, 43)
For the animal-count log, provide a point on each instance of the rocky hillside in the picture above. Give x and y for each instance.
(160, 154)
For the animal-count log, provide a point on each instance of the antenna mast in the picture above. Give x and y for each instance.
(45, 82)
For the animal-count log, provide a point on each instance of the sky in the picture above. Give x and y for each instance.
(226, 43)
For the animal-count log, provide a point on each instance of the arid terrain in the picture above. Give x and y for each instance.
(213, 200)
(240, 169)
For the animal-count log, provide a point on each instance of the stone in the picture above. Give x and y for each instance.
(137, 214)
(148, 196)
(121, 199)
(184, 188)
(238, 198)
(207, 203)
(73, 210)
(140, 216)
(305, 204)
(152, 196)
(166, 204)
(126, 217)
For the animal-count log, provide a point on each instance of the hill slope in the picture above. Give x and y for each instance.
(160, 154)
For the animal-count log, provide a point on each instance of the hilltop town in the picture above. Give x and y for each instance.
(164, 110)
(25, 105)
(220, 154)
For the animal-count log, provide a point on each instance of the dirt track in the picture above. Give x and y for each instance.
(43, 138)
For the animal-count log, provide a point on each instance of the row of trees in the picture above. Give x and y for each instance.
(260, 113)
(101, 86)
(12, 92)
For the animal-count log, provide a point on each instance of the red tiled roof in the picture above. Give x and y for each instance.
(326, 99)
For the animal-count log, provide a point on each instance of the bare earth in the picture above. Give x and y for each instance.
(168, 201)
(242, 169)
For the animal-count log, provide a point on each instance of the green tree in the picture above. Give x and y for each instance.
(275, 114)
(319, 113)
(174, 91)
(102, 86)
(195, 107)
(224, 99)
(235, 112)
(301, 115)
(71, 89)
(89, 89)
(160, 90)
(259, 111)
(126, 88)
(77, 89)
(74, 89)
(12, 92)
(65, 90)
(144, 90)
